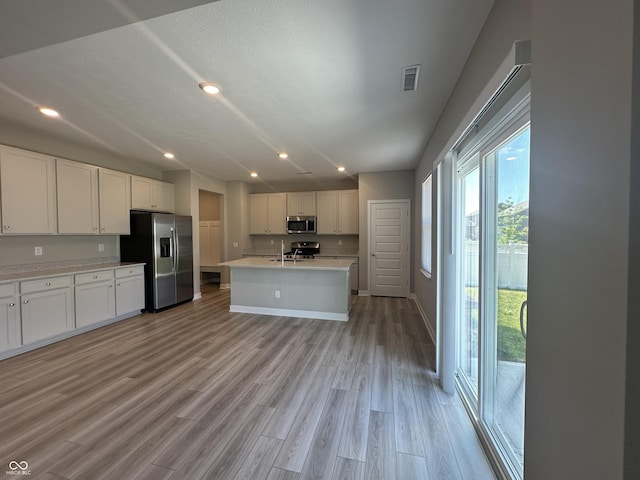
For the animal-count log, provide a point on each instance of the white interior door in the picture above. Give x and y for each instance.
(389, 248)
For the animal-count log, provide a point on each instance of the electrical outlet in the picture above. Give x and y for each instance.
(38, 251)
(271, 242)
(235, 244)
(277, 293)
(339, 242)
(101, 247)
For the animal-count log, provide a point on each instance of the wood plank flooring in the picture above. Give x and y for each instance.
(196, 392)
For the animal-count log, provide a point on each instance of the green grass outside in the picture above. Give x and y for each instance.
(511, 344)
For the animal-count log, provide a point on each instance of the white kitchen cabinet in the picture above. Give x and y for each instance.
(210, 242)
(129, 289)
(77, 192)
(10, 336)
(337, 212)
(115, 201)
(268, 213)
(301, 203)
(150, 194)
(95, 297)
(46, 308)
(28, 192)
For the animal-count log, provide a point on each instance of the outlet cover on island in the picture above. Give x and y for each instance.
(38, 251)
(271, 242)
(235, 244)
(277, 293)
(101, 247)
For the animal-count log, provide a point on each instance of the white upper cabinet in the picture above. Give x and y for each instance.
(337, 212)
(115, 201)
(28, 192)
(77, 190)
(149, 194)
(268, 213)
(301, 203)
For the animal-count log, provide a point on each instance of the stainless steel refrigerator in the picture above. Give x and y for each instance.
(164, 242)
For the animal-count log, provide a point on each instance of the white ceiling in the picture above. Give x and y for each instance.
(319, 80)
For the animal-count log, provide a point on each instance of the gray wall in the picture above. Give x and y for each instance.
(579, 239)
(19, 249)
(34, 141)
(396, 185)
(508, 21)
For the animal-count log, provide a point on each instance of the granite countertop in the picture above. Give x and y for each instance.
(304, 264)
(68, 270)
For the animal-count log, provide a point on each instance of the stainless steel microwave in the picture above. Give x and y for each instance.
(305, 224)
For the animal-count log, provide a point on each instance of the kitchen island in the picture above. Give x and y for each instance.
(309, 288)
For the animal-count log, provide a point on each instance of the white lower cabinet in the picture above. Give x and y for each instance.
(48, 312)
(51, 308)
(95, 298)
(10, 336)
(129, 290)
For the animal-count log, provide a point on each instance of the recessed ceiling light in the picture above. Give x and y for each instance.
(169, 155)
(210, 88)
(254, 174)
(283, 155)
(341, 169)
(49, 112)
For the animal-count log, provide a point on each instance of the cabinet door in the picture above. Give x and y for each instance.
(46, 314)
(162, 196)
(141, 193)
(327, 213)
(115, 201)
(301, 203)
(9, 323)
(277, 213)
(348, 212)
(28, 192)
(95, 302)
(353, 277)
(77, 192)
(258, 213)
(205, 245)
(129, 294)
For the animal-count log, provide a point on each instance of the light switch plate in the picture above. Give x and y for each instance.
(38, 251)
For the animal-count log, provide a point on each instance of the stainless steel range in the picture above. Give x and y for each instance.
(302, 250)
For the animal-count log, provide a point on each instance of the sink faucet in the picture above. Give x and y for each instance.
(295, 255)
(282, 252)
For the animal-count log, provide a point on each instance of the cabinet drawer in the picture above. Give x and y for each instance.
(129, 271)
(7, 289)
(43, 284)
(91, 277)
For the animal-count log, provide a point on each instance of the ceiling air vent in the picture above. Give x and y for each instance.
(410, 76)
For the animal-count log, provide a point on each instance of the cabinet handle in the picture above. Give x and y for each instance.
(110, 286)
(25, 301)
(12, 304)
(102, 229)
(48, 284)
(95, 276)
(6, 227)
(118, 284)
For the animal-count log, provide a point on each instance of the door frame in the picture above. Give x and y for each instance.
(407, 256)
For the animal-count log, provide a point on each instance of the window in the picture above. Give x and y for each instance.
(426, 225)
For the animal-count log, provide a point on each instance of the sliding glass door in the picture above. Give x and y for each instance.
(492, 257)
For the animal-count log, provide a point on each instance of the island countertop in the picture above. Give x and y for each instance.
(302, 264)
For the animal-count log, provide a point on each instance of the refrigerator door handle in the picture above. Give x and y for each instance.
(175, 249)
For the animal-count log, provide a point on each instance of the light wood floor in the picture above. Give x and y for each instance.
(197, 392)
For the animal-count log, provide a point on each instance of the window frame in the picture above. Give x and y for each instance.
(426, 246)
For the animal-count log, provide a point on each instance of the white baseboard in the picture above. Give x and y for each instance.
(425, 319)
(197, 295)
(225, 286)
(364, 293)
(283, 312)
